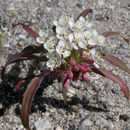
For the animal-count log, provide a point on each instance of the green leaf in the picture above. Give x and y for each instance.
(117, 62)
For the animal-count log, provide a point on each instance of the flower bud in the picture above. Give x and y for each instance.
(88, 69)
(65, 75)
(70, 74)
(84, 65)
(72, 62)
(82, 68)
(89, 60)
(76, 68)
(86, 78)
(66, 83)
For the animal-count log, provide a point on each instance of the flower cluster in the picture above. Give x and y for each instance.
(70, 36)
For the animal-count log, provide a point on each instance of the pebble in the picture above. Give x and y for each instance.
(59, 128)
(101, 2)
(85, 124)
(2, 61)
(43, 124)
(71, 92)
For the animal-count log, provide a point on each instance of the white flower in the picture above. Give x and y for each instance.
(88, 24)
(93, 52)
(55, 23)
(59, 30)
(62, 32)
(95, 33)
(63, 48)
(71, 37)
(88, 35)
(63, 20)
(50, 44)
(76, 26)
(80, 23)
(42, 38)
(54, 60)
(79, 39)
(71, 23)
(101, 39)
(96, 65)
(92, 42)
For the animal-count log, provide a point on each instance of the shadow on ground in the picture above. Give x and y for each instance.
(8, 97)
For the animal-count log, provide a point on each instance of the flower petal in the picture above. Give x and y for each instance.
(42, 34)
(67, 53)
(91, 42)
(59, 30)
(40, 40)
(81, 44)
(55, 23)
(70, 37)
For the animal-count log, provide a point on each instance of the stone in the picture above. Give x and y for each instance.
(43, 124)
(59, 128)
(85, 124)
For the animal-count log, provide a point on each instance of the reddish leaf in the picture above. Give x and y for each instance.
(96, 70)
(28, 98)
(84, 13)
(66, 82)
(15, 58)
(117, 62)
(112, 34)
(17, 86)
(27, 29)
(114, 78)
(55, 76)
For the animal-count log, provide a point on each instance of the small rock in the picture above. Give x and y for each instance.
(85, 124)
(124, 117)
(43, 124)
(71, 92)
(79, 5)
(102, 122)
(128, 4)
(116, 91)
(59, 128)
(2, 61)
(53, 3)
(101, 2)
(98, 17)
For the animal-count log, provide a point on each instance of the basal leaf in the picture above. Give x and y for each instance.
(117, 62)
(114, 78)
(15, 58)
(84, 13)
(28, 98)
(112, 34)
(27, 29)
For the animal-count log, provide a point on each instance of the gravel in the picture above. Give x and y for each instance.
(99, 105)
